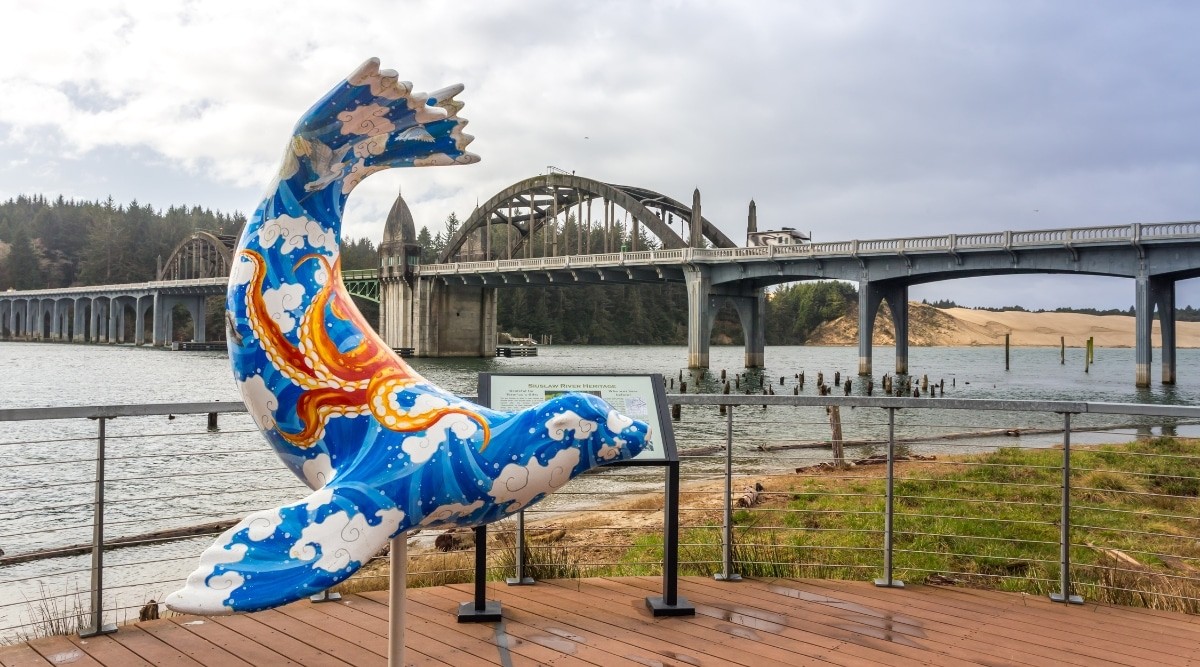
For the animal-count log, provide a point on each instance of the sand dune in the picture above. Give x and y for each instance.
(963, 326)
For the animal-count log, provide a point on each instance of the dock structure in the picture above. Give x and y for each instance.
(516, 351)
(600, 621)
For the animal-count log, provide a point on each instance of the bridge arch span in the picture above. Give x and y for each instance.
(202, 255)
(528, 205)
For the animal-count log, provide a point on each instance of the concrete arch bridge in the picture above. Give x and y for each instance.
(448, 309)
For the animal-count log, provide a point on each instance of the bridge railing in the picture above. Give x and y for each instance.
(107, 507)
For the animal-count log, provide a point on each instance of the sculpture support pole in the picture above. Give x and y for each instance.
(398, 583)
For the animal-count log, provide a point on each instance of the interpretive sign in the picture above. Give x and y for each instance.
(638, 397)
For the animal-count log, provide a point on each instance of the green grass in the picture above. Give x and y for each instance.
(987, 521)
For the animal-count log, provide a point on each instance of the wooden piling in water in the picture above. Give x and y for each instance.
(1006, 346)
(1062, 350)
(675, 411)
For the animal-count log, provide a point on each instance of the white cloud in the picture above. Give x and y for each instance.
(282, 302)
(521, 484)
(445, 514)
(204, 593)
(260, 401)
(561, 423)
(296, 234)
(852, 119)
(420, 448)
(343, 539)
(318, 471)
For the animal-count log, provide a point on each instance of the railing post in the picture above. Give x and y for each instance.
(98, 626)
(727, 573)
(520, 579)
(1064, 539)
(887, 581)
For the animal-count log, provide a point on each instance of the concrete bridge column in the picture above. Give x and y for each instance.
(143, 304)
(1166, 322)
(56, 318)
(752, 311)
(870, 296)
(78, 329)
(97, 325)
(456, 320)
(116, 319)
(198, 310)
(1151, 293)
(897, 299)
(164, 320)
(701, 312)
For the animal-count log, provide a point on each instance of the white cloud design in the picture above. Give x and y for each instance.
(204, 593)
(281, 302)
(558, 425)
(521, 484)
(343, 539)
(449, 512)
(296, 233)
(318, 471)
(242, 271)
(260, 401)
(262, 525)
(420, 448)
(425, 403)
(618, 422)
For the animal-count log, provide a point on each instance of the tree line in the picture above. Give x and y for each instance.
(55, 243)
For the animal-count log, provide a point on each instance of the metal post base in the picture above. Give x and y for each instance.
(720, 576)
(106, 629)
(521, 581)
(467, 613)
(325, 596)
(1071, 599)
(659, 607)
(894, 583)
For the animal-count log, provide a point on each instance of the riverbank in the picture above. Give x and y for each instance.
(929, 326)
(984, 521)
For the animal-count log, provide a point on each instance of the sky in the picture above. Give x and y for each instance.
(846, 118)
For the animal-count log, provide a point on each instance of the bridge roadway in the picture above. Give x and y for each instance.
(1155, 256)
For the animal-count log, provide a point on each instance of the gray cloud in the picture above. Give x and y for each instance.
(848, 118)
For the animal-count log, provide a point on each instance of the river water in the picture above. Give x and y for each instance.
(170, 472)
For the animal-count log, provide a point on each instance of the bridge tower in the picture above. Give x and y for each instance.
(432, 318)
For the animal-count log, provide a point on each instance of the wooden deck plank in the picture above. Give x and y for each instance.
(1041, 621)
(418, 637)
(444, 609)
(280, 642)
(108, 651)
(21, 655)
(193, 646)
(59, 650)
(152, 650)
(959, 644)
(555, 631)
(245, 648)
(604, 622)
(884, 648)
(632, 622)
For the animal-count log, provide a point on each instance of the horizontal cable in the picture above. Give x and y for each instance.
(975, 518)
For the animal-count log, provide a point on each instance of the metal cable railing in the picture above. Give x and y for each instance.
(93, 539)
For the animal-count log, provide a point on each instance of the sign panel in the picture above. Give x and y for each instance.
(639, 397)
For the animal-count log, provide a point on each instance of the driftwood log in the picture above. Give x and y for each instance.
(750, 495)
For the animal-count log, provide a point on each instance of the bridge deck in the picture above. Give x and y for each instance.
(604, 622)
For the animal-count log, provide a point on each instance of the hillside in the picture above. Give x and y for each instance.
(963, 326)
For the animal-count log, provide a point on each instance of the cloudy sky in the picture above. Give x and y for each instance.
(852, 119)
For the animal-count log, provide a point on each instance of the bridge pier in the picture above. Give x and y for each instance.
(701, 313)
(454, 320)
(78, 330)
(1151, 292)
(752, 311)
(142, 305)
(870, 296)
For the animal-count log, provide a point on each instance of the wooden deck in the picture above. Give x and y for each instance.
(604, 622)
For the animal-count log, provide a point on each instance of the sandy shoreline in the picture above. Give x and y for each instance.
(929, 326)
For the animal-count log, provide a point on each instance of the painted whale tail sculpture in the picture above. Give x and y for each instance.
(384, 450)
